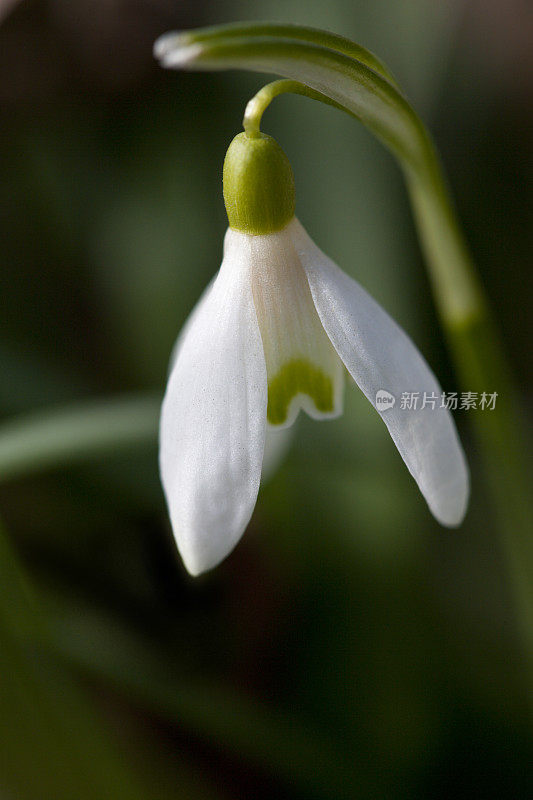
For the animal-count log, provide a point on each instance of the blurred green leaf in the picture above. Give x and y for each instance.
(266, 738)
(60, 436)
(51, 744)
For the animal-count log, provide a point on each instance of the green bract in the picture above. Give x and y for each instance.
(258, 185)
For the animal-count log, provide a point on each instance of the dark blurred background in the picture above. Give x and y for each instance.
(349, 647)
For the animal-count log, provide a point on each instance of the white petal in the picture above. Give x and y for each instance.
(213, 420)
(277, 440)
(192, 316)
(380, 356)
(303, 369)
(182, 335)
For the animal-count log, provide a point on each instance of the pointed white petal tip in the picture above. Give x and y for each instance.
(450, 508)
(175, 50)
(197, 561)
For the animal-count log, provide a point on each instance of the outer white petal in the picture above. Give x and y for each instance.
(379, 355)
(277, 439)
(182, 335)
(192, 316)
(213, 420)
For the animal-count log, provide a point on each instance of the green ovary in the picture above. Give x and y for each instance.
(298, 376)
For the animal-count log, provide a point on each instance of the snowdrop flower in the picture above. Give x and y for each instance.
(270, 336)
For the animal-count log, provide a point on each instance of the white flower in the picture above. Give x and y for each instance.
(269, 337)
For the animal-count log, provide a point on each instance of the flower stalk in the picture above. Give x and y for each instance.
(259, 103)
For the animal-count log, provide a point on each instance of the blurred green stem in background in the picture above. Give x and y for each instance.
(218, 712)
(54, 742)
(69, 435)
(51, 743)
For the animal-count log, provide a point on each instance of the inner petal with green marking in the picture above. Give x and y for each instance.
(298, 377)
(303, 369)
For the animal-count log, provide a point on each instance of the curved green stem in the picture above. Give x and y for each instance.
(346, 76)
(259, 103)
